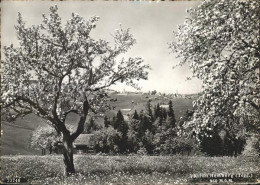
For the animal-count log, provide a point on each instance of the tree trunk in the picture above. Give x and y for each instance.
(43, 151)
(68, 156)
(50, 149)
(68, 139)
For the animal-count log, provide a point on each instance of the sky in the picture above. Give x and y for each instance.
(151, 23)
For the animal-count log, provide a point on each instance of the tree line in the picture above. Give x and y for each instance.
(150, 131)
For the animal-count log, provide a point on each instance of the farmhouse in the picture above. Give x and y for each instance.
(164, 106)
(126, 113)
(84, 143)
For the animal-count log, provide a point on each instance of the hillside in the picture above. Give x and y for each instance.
(139, 101)
(16, 136)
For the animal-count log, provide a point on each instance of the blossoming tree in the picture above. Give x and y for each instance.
(58, 68)
(44, 137)
(220, 41)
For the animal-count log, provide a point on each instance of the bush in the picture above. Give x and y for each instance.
(107, 140)
(142, 151)
(252, 147)
(178, 145)
(184, 145)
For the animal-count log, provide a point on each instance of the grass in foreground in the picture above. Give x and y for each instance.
(124, 169)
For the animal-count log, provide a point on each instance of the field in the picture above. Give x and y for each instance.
(96, 169)
(16, 136)
(139, 101)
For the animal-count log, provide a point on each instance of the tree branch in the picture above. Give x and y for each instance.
(54, 111)
(50, 42)
(21, 113)
(82, 120)
(105, 86)
(257, 107)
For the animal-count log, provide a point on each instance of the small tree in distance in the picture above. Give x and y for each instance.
(135, 116)
(91, 126)
(44, 137)
(58, 69)
(106, 122)
(171, 114)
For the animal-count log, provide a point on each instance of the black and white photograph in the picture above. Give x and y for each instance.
(130, 92)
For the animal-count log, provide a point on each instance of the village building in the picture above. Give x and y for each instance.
(164, 106)
(85, 143)
(126, 113)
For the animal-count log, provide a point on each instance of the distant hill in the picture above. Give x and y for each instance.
(139, 101)
(16, 136)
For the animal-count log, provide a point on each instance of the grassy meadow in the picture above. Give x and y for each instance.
(96, 169)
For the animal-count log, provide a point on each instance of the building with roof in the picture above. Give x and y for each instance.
(85, 143)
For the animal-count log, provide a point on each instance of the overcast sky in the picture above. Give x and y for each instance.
(151, 23)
